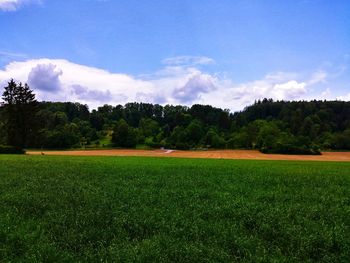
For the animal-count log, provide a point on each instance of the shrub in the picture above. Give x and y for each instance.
(150, 142)
(182, 146)
(291, 149)
(11, 150)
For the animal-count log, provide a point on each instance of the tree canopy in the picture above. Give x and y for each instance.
(267, 125)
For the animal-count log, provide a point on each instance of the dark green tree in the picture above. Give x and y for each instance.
(194, 132)
(179, 138)
(19, 111)
(124, 135)
(148, 127)
(213, 140)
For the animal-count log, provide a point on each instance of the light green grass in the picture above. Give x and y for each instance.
(134, 209)
(106, 141)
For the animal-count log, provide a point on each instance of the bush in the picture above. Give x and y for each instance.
(291, 149)
(286, 143)
(182, 146)
(149, 141)
(239, 141)
(11, 150)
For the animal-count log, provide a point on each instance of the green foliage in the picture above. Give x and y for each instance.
(179, 138)
(124, 135)
(269, 138)
(340, 141)
(19, 109)
(148, 127)
(113, 209)
(11, 150)
(194, 132)
(239, 140)
(2, 131)
(65, 136)
(281, 127)
(267, 135)
(214, 140)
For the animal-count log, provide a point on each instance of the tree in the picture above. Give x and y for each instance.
(179, 138)
(124, 135)
(61, 137)
(213, 140)
(194, 132)
(19, 109)
(148, 127)
(239, 140)
(267, 136)
(2, 130)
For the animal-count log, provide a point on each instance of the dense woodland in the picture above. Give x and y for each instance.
(304, 127)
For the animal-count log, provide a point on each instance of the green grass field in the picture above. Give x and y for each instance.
(133, 209)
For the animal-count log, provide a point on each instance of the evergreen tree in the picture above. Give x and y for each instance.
(19, 110)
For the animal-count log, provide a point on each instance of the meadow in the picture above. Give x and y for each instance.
(146, 209)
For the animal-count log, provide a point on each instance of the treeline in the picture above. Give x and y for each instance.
(293, 126)
(280, 126)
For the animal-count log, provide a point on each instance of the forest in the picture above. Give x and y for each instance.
(290, 127)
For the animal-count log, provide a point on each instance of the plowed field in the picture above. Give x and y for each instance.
(215, 154)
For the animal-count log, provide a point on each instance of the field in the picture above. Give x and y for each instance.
(213, 154)
(146, 209)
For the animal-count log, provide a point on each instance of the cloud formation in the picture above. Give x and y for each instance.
(45, 77)
(194, 87)
(13, 5)
(344, 97)
(84, 93)
(275, 86)
(62, 80)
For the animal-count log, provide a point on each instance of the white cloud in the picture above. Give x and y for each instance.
(276, 86)
(194, 87)
(56, 79)
(62, 80)
(289, 90)
(344, 97)
(13, 5)
(84, 93)
(45, 77)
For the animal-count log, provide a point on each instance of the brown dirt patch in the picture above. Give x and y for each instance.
(215, 154)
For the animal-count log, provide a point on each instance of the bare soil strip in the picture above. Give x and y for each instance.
(215, 154)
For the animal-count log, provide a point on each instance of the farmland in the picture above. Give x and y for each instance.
(213, 154)
(147, 209)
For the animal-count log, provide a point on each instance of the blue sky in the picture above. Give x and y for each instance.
(226, 53)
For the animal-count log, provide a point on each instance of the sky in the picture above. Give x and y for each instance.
(224, 53)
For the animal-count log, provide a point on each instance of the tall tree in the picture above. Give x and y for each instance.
(124, 135)
(19, 108)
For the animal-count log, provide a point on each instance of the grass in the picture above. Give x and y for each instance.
(134, 209)
(105, 141)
